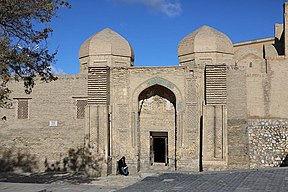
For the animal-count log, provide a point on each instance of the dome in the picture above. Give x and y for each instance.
(205, 39)
(106, 42)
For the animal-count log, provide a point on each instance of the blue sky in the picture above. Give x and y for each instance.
(155, 27)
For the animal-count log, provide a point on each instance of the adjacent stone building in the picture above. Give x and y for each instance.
(223, 107)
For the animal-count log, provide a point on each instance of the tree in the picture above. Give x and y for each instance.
(24, 52)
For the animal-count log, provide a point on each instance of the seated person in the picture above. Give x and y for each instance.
(123, 169)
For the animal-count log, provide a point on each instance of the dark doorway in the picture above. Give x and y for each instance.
(159, 147)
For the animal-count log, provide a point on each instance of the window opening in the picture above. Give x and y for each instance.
(22, 111)
(81, 104)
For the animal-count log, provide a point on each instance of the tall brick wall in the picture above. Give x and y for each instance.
(55, 101)
(278, 94)
(268, 133)
(236, 116)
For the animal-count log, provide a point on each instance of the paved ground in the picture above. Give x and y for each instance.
(49, 182)
(272, 180)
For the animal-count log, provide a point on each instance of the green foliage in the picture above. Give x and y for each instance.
(24, 53)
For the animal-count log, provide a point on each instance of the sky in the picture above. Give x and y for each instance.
(155, 27)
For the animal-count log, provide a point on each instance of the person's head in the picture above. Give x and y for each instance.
(123, 158)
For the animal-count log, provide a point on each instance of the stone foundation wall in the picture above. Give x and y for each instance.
(268, 144)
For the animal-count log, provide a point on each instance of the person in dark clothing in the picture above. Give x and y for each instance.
(123, 169)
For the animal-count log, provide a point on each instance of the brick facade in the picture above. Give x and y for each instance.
(190, 117)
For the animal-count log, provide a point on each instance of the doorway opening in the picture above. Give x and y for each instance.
(159, 147)
(156, 111)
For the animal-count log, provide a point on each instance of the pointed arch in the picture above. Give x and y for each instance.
(166, 89)
(162, 82)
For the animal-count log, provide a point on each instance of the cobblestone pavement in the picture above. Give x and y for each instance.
(272, 180)
(264, 180)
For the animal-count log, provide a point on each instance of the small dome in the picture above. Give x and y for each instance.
(106, 42)
(205, 39)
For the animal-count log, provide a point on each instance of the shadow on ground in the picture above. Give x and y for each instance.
(11, 161)
(22, 167)
(46, 178)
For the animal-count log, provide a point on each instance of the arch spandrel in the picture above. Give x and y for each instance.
(159, 81)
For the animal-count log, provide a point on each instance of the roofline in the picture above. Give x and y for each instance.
(262, 40)
(106, 54)
(154, 67)
(222, 52)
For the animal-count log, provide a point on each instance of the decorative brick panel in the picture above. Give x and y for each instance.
(215, 84)
(98, 85)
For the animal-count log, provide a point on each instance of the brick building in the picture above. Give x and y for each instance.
(223, 107)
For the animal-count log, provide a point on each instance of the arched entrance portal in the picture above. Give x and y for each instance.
(157, 128)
